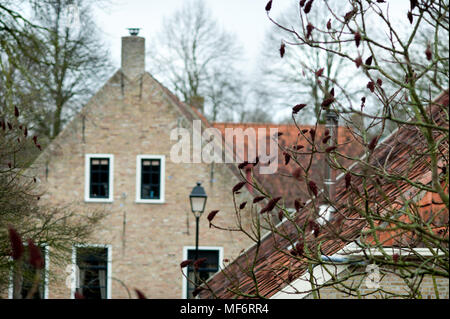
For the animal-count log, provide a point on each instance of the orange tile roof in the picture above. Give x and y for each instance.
(277, 184)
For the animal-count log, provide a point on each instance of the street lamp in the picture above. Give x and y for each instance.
(198, 201)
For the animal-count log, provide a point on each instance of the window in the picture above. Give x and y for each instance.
(99, 177)
(25, 277)
(93, 271)
(213, 257)
(150, 178)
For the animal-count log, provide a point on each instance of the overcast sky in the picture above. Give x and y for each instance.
(246, 18)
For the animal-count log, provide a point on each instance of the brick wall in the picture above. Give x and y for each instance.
(390, 283)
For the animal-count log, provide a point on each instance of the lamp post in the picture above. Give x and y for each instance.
(198, 201)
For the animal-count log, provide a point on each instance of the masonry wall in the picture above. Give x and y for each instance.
(392, 286)
(127, 119)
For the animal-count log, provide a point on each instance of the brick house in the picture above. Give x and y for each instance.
(115, 157)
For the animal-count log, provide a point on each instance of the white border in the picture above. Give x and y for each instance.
(46, 270)
(185, 256)
(108, 270)
(87, 177)
(162, 159)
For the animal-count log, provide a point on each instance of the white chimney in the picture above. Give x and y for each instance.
(133, 55)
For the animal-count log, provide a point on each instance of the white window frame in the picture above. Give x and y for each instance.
(162, 160)
(185, 256)
(87, 178)
(108, 270)
(45, 250)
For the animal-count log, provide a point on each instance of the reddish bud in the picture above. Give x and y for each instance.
(357, 38)
(211, 216)
(327, 132)
(16, 111)
(298, 205)
(330, 149)
(297, 173)
(238, 186)
(395, 257)
(39, 146)
(298, 147)
(349, 15)
(287, 158)
(329, 24)
(280, 215)
(185, 263)
(9, 165)
(302, 3)
(10, 126)
(319, 72)
(139, 294)
(358, 61)
(328, 101)
(36, 259)
(242, 206)
(313, 188)
(305, 131)
(308, 6)
(369, 61)
(25, 132)
(242, 165)
(269, 6)
(348, 179)
(428, 53)
(199, 262)
(258, 199)
(379, 82)
(35, 139)
(298, 108)
(326, 139)
(371, 86)
(282, 50)
(270, 205)
(373, 143)
(16, 244)
(315, 228)
(410, 17)
(77, 295)
(299, 248)
(312, 132)
(309, 29)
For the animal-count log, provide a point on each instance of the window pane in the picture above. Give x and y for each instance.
(93, 264)
(150, 179)
(99, 187)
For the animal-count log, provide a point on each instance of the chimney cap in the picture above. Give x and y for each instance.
(134, 31)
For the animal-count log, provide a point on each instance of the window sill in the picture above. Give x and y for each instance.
(150, 201)
(99, 200)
